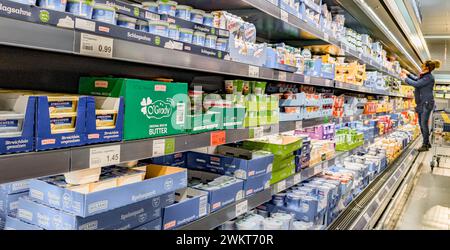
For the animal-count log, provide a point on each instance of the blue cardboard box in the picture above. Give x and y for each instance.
(23, 141)
(95, 134)
(221, 197)
(13, 223)
(176, 160)
(225, 165)
(257, 184)
(159, 180)
(190, 205)
(126, 217)
(15, 187)
(45, 139)
(153, 225)
(9, 202)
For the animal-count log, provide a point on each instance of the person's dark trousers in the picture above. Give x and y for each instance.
(424, 119)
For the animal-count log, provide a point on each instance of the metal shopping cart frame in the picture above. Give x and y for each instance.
(440, 137)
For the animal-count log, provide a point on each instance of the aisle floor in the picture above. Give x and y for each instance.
(428, 206)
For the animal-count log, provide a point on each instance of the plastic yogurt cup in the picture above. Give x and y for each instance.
(287, 220)
(28, 2)
(211, 41)
(186, 35)
(199, 38)
(82, 8)
(126, 21)
(174, 32)
(184, 12)
(208, 20)
(59, 5)
(104, 13)
(150, 6)
(142, 25)
(272, 224)
(197, 16)
(160, 28)
(167, 7)
(222, 44)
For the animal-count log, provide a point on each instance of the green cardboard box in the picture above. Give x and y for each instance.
(232, 118)
(152, 109)
(279, 145)
(283, 173)
(280, 163)
(200, 123)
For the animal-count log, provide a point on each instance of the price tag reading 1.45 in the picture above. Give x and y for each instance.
(104, 156)
(96, 45)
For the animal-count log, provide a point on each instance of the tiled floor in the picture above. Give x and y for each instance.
(428, 206)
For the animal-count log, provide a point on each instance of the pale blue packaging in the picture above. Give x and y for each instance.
(13, 223)
(85, 205)
(82, 8)
(142, 25)
(159, 28)
(190, 205)
(153, 225)
(222, 44)
(122, 218)
(29, 2)
(150, 6)
(184, 12)
(59, 5)
(174, 32)
(126, 21)
(199, 38)
(222, 196)
(186, 35)
(15, 187)
(167, 7)
(197, 16)
(9, 202)
(104, 13)
(211, 41)
(208, 20)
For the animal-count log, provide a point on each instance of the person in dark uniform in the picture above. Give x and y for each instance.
(424, 96)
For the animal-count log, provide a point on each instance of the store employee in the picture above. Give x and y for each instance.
(424, 87)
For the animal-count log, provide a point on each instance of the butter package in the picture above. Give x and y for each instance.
(15, 187)
(12, 223)
(152, 109)
(9, 203)
(60, 121)
(175, 160)
(279, 145)
(226, 165)
(158, 180)
(190, 205)
(17, 112)
(126, 217)
(153, 225)
(257, 184)
(223, 190)
(104, 119)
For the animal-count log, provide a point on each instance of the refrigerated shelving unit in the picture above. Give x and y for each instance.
(41, 55)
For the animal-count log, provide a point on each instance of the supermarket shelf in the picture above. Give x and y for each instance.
(367, 207)
(37, 164)
(216, 219)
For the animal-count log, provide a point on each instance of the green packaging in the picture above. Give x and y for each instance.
(152, 109)
(231, 118)
(200, 123)
(279, 145)
(258, 88)
(283, 173)
(280, 163)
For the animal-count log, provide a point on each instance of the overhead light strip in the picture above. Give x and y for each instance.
(386, 30)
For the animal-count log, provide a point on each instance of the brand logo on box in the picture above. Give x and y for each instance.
(170, 224)
(168, 184)
(103, 29)
(156, 202)
(216, 205)
(101, 84)
(93, 136)
(142, 217)
(161, 88)
(48, 141)
(158, 109)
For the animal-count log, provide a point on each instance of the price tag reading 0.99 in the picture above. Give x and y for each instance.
(96, 45)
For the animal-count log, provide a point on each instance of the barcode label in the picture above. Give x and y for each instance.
(203, 206)
(299, 125)
(307, 79)
(282, 76)
(88, 47)
(159, 148)
(253, 71)
(181, 113)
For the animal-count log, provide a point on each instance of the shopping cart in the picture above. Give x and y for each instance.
(440, 137)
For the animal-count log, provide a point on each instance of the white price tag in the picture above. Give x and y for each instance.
(253, 71)
(299, 125)
(96, 45)
(241, 208)
(258, 132)
(159, 148)
(284, 16)
(307, 80)
(104, 156)
(297, 178)
(282, 76)
(281, 186)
